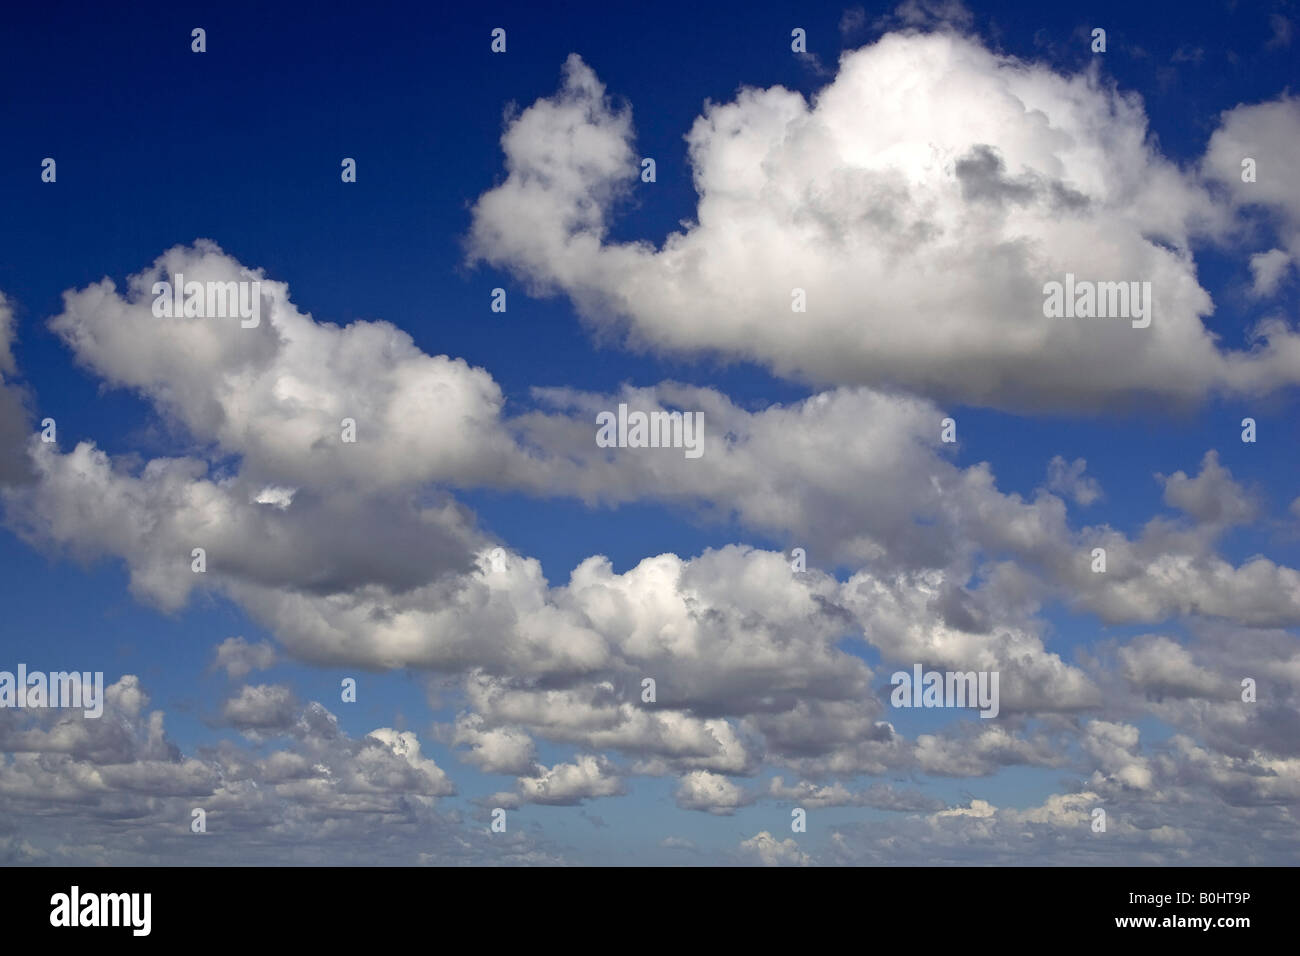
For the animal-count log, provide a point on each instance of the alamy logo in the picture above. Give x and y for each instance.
(58, 689)
(103, 909)
(1098, 300)
(949, 689)
(651, 430)
(209, 300)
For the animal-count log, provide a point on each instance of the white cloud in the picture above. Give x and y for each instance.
(496, 749)
(1269, 134)
(567, 784)
(1159, 665)
(768, 851)
(711, 792)
(278, 393)
(1114, 746)
(927, 149)
(261, 709)
(239, 658)
(1212, 497)
(1068, 479)
(1269, 269)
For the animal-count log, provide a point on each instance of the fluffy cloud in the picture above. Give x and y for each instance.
(1158, 665)
(927, 149)
(765, 849)
(277, 394)
(261, 709)
(324, 797)
(86, 502)
(984, 751)
(494, 749)
(1269, 134)
(1212, 497)
(565, 784)
(1269, 269)
(1068, 479)
(714, 793)
(239, 658)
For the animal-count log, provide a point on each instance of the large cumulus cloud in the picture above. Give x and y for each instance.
(921, 201)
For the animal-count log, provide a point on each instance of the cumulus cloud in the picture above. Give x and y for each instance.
(565, 784)
(711, 792)
(239, 658)
(277, 394)
(1212, 497)
(1067, 478)
(154, 518)
(1114, 747)
(1269, 269)
(1267, 133)
(997, 174)
(981, 752)
(493, 749)
(320, 797)
(261, 709)
(1159, 665)
(766, 850)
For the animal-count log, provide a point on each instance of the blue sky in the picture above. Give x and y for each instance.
(158, 146)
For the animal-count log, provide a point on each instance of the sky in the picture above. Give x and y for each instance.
(838, 263)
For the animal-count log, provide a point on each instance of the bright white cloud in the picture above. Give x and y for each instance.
(927, 156)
